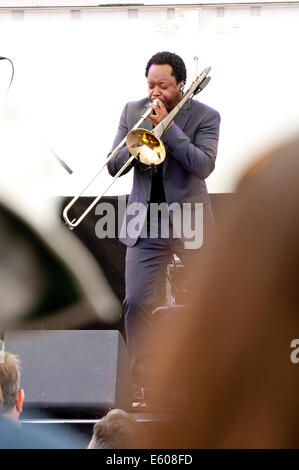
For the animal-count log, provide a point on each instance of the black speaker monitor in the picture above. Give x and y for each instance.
(76, 374)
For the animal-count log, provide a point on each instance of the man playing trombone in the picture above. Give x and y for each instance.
(190, 141)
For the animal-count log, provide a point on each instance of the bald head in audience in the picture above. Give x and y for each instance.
(117, 430)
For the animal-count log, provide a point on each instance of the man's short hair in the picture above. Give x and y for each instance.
(10, 374)
(175, 61)
(117, 430)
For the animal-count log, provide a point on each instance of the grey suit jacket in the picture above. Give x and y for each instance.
(191, 148)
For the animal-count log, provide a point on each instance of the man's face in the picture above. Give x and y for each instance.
(162, 84)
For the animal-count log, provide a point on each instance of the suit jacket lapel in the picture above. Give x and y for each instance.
(182, 116)
(180, 119)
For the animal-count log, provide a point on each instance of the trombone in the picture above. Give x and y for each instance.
(146, 146)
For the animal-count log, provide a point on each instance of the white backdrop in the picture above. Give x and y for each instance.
(75, 71)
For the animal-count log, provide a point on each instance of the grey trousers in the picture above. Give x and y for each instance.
(146, 264)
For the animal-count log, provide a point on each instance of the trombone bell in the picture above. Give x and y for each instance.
(145, 146)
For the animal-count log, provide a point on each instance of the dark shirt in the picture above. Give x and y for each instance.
(157, 191)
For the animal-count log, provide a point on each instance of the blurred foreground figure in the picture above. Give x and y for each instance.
(48, 279)
(231, 354)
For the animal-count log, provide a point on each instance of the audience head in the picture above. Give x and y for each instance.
(117, 430)
(12, 394)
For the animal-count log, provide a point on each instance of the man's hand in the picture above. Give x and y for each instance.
(161, 113)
